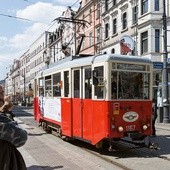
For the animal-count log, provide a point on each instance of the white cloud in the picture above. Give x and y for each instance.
(2, 59)
(41, 12)
(3, 41)
(24, 40)
(67, 3)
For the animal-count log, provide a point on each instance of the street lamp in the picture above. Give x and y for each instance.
(165, 72)
(24, 90)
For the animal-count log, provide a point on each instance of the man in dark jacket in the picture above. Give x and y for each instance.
(10, 157)
(154, 116)
(11, 136)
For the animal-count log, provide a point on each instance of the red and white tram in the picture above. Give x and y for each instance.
(96, 98)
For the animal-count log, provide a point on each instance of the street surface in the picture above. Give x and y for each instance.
(44, 151)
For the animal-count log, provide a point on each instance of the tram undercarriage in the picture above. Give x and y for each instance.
(137, 139)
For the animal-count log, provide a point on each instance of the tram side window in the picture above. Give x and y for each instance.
(48, 90)
(41, 87)
(66, 83)
(57, 85)
(88, 83)
(76, 84)
(99, 87)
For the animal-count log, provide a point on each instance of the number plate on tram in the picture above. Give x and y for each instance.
(130, 127)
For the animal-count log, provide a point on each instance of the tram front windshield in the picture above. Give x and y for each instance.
(130, 85)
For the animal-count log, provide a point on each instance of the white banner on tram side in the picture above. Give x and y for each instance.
(51, 108)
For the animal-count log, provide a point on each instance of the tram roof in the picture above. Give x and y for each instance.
(77, 61)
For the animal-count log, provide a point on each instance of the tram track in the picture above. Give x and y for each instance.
(97, 154)
(148, 151)
(122, 147)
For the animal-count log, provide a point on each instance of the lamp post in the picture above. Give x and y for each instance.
(24, 90)
(165, 72)
(14, 90)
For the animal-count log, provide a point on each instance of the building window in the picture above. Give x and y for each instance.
(124, 20)
(106, 30)
(144, 5)
(90, 39)
(83, 16)
(157, 40)
(112, 51)
(90, 15)
(135, 14)
(98, 11)
(114, 26)
(156, 5)
(98, 35)
(83, 44)
(114, 2)
(106, 5)
(144, 42)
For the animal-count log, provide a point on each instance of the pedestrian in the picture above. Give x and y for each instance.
(7, 107)
(11, 137)
(154, 116)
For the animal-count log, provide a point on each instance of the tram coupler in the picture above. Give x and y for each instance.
(153, 146)
(110, 149)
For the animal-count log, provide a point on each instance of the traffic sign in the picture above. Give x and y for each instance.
(158, 65)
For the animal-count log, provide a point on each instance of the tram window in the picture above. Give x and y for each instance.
(66, 84)
(88, 83)
(48, 90)
(76, 84)
(99, 88)
(134, 85)
(114, 87)
(57, 84)
(41, 87)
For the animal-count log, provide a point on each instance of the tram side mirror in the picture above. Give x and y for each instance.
(95, 77)
(157, 79)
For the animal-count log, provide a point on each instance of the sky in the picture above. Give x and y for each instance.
(22, 22)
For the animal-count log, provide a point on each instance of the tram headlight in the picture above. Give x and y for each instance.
(145, 127)
(120, 128)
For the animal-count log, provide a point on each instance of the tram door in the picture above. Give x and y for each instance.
(76, 103)
(82, 103)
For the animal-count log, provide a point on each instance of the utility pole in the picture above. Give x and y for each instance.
(165, 91)
(24, 91)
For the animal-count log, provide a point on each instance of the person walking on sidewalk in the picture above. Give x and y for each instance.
(11, 137)
(154, 116)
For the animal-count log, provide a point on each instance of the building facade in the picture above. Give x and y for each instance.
(96, 28)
